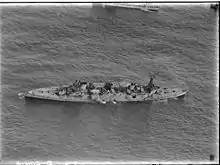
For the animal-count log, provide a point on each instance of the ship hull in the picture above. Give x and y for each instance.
(131, 6)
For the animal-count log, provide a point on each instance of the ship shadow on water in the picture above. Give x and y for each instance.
(37, 106)
(134, 105)
(33, 106)
(134, 111)
(71, 109)
(98, 10)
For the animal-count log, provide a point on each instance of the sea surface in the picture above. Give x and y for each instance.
(44, 46)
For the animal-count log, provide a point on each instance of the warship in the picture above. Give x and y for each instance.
(108, 92)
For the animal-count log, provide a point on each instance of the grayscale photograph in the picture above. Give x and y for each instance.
(111, 82)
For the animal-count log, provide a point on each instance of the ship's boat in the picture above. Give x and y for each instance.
(105, 92)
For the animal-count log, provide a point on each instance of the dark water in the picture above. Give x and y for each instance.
(51, 45)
